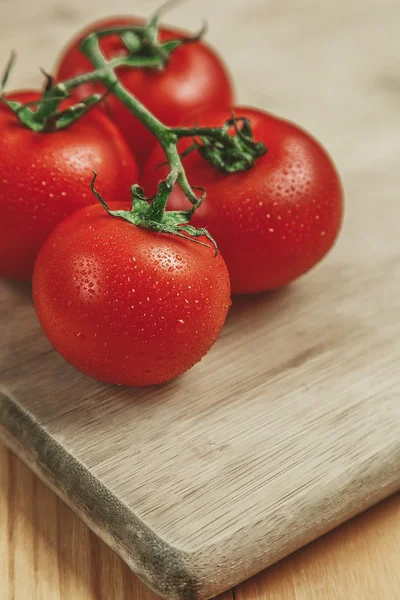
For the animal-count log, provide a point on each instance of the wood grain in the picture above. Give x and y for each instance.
(46, 553)
(291, 424)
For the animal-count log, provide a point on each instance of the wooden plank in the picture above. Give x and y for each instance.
(290, 425)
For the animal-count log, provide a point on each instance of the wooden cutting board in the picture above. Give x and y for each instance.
(291, 424)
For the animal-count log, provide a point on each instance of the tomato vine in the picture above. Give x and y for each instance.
(230, 148)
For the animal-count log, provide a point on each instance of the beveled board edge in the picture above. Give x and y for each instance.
(170, 572)
(158, 564)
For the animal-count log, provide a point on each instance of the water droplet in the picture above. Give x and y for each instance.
(180, 326)
(79, 335)
(271, 230)
(323, 233)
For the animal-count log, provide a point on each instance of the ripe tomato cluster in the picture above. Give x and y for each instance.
(122, 300)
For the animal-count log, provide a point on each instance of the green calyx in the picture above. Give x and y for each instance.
(150, 213)
(46, 115)
(228, 153)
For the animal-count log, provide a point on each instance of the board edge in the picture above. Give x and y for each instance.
(160, 565)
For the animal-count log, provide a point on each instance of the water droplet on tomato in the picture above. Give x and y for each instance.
(180, 326)
(79, 335)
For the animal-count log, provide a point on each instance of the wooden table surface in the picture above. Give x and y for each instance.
(47, 553)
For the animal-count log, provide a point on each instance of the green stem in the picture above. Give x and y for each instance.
(215, 132)
(165, 135)
(105, 73)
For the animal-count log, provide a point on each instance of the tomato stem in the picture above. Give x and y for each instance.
(153, 215)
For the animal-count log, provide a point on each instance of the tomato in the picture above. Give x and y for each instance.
(127, 305)
(46, 176)
(194, 78)
(273, 222)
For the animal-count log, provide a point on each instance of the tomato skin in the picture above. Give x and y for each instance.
(274, 222)
(126, 305)
(195, 78)
(46, 176)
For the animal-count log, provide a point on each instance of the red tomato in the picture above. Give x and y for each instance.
(271, 223)
(46, 176)
(194, 78)
(126, 305)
